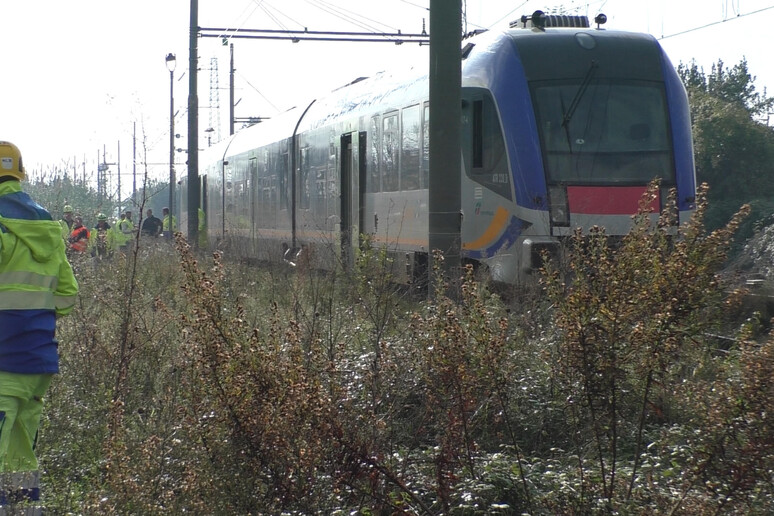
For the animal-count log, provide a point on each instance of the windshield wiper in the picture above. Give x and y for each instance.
(578, 96)
(565, 125)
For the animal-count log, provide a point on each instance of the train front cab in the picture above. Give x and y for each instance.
(606, 114)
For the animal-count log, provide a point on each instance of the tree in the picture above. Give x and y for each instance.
(734, 152)
(736, 86)
(53, 193)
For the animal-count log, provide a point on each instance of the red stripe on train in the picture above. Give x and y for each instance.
(607, 200)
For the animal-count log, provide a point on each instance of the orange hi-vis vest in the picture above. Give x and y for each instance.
(79, 239)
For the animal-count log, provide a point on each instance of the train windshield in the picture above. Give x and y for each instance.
(598, 132)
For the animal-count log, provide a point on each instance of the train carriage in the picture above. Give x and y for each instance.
(562, 127)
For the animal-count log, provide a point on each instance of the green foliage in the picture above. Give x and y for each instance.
(734, 86)
(734, 151)
(54, 194)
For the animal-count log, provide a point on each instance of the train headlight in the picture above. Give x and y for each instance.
(560, 212)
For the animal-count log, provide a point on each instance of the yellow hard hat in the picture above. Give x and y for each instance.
(101, 216)
(67, 209)
(11, 161)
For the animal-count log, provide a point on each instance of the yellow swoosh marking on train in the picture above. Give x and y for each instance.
(493, 231)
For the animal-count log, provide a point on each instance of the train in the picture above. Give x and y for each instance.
(564, 125)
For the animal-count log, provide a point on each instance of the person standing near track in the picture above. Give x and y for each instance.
(151, 226)
(168, 221)
(67, 222)
(102, 239)
(126, 228)
(37, 285)
(79, 236)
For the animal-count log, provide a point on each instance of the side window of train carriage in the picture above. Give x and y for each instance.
(228, 174)
(267, 180)
(243, 193)
(255, 203)
(332, 182)
(426, 145)
(483, 144)
(283, 178)
(303, 194)
(320, 179)
(374, 141)
(271, 172)
(409, 149)
(390, 152)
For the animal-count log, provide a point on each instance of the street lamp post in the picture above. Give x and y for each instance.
(171, 67)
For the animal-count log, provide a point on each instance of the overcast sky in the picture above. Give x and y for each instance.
(82, 76)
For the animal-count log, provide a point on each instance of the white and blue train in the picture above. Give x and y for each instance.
(563, 126)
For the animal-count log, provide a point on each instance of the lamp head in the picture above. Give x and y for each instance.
(171, 62)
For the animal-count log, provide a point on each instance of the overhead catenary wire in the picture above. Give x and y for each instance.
(738, 16)
(276, 109)
(509, 13)
(347, 15)
(278, 17)
(307, 35)
(415, 5)
(270, 9)
(340, 13)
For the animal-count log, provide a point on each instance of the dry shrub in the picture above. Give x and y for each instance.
(631, 322)
(194, 385)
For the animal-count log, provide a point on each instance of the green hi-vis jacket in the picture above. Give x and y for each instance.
(36, 283)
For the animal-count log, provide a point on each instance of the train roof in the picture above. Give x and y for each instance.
(263, 133)
(546, 52)
(380, 93)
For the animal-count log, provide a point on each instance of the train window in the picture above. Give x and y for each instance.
(478, 135)
(303, 180)
(615, 132)
(319, 190)
(283, 181)
(252, 187)
(389, 156)
(331, 186)
(426, 145)
(409, 164)
(374, 184)
(483, 144)
(488, 145)
(237, 197)
(267, 203)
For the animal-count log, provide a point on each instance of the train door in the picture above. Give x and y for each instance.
(351, 194)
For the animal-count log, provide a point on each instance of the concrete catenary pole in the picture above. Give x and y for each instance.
(445, 134)
(134, 165)
(193, 129)
(231, 94)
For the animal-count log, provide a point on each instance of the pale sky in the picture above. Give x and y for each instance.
(80, 75)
